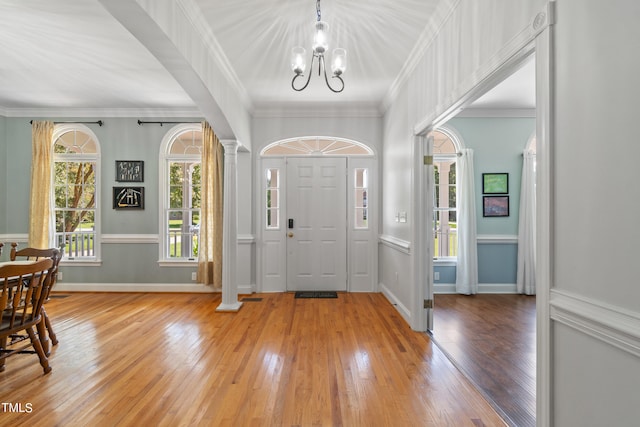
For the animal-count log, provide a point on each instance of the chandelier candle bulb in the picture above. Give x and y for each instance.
(339, 61)
(298, 61)
(321, 37)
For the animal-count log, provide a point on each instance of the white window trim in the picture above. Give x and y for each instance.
(455, 137)
(163, 197)
(59, 130)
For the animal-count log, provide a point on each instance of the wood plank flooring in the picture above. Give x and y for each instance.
(172, 360)
(492, 339)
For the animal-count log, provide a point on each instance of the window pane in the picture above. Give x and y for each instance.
(272, 198)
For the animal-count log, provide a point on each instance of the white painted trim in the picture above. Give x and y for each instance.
(483, 288)
(493, 71)
(103, 112)
(613, 325)
(498, 113)
(305, 111)
(246, 239)
(497, 239)
(404, 311)
(178, 263)
(545, 134)
(395, 243)
(130, 238)
(193, 13)
(62, 286)
(17, 238)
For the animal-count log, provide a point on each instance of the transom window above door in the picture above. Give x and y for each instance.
(316, 146)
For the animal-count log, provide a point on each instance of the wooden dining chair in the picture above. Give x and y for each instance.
(45, 330)
(23, 290)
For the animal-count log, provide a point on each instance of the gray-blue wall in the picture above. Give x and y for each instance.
(498, 144)
(120, 139)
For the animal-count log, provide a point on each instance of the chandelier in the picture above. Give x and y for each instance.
(320, 46)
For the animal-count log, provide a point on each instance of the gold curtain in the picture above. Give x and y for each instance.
(210, 245)
(40, 220)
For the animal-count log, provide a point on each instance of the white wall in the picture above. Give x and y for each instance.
(596, 213)
(594, 304)
(474, 39)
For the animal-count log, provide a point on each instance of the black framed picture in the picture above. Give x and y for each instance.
(129, 171)
(128, 197)
(495, 206)
(495, 183)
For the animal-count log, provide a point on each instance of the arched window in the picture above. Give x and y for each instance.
(445, 213)
(180, 185)
(76, 184)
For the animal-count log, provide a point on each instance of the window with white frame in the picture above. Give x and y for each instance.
(272, 194)
(445, 215)
(181, 159)
(361, 188)
(75, 191)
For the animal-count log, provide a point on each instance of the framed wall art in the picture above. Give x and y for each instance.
(495, 206)
(128, 197)
(129, 171)
(495, 183)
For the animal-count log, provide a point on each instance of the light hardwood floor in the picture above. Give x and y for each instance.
(171, 359)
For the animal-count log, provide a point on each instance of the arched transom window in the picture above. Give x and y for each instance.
(316, 146)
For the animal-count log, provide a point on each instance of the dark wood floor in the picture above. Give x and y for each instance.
(492, 339)
(172, 360)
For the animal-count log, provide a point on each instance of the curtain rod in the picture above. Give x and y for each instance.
(99, 122)
(140, 123)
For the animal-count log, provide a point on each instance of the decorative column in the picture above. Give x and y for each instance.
(230, 229)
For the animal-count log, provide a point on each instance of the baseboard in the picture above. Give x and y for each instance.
(404, 311)
(144, 287)
(483, 288)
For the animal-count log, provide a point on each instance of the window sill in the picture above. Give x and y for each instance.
(177, 263)
(445, 262)
(81, 262)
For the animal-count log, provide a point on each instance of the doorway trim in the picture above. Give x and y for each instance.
(540, 42)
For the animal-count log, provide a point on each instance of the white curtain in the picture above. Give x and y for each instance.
(467, 268)
(526, 279)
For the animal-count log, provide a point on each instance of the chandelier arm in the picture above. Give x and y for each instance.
(335, 76)
(308, 78)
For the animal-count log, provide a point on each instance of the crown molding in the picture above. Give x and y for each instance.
(99, 112)
(442, 14)
(194, 15)
(311, 111)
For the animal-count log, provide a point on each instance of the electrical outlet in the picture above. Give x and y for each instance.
(59, 275)
(194, 276)
(436, 275)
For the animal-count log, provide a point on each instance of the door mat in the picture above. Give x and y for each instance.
(316, 294)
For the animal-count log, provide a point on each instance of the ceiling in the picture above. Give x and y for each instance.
(70, 55)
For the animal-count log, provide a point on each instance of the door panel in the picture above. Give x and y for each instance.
(317, 242)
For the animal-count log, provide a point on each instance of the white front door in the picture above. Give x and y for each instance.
(316, 224)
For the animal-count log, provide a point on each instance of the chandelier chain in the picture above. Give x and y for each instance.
(318, 10)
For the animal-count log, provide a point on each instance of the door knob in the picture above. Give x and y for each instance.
(290, 234)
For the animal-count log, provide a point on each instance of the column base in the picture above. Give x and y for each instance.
(229, 308)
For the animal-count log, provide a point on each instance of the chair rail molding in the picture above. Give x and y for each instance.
(613, 325)
(400, 245)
